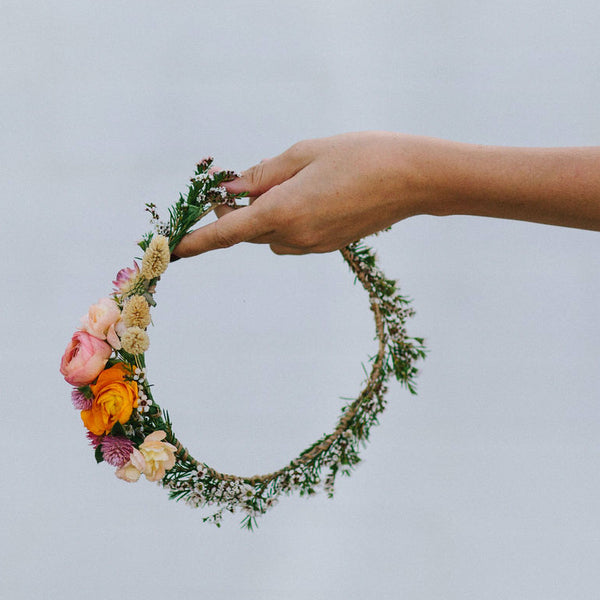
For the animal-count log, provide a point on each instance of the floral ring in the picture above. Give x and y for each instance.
(105, 362)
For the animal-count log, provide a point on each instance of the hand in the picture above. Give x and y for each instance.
(322, 194)
(318, 196)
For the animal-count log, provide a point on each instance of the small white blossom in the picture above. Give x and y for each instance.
(246, 491)
(144, 402)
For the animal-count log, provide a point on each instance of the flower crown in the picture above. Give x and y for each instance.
(105, 364)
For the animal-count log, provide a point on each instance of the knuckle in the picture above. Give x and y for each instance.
(307, 239)
(272, 207)
(303, 232)
(299, 150)
(256, 175)
(222, 238)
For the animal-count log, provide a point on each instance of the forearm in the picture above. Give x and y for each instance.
(558, 186)
(322, 194)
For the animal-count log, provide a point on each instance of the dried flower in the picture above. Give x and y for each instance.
(136, 312)
(156, 258)
(135, 340)
(116, 450)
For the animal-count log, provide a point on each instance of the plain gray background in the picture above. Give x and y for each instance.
(485, 485)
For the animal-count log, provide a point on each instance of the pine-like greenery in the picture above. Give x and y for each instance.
(318, 466)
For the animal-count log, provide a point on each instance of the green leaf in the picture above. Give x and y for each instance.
(118, 430)
(98, 454)
(86, 391)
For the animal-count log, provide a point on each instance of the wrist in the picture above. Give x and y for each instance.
(457, 178)
(426, 171)
(557, 186)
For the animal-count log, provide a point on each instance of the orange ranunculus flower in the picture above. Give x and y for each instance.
(114, 400)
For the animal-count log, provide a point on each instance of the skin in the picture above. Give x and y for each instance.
(322, 194)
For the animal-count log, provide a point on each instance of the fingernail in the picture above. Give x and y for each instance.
(235, 184)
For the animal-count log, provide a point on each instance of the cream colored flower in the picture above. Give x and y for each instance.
(135, 340)
(132, 470)
(156, 258)
(159, 456)
(136, 312)
(102, 320)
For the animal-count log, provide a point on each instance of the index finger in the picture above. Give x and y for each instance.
(240, 225)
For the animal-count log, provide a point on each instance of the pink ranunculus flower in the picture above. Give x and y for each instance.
(132, 470)
(103, 321)
(158, 456)
(125, 278)
(84, 358)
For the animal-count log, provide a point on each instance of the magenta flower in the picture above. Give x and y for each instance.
(125, 277)
(80, 402)
(94, 439)
(116, 450)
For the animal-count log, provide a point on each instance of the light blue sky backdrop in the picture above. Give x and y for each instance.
(486, 485)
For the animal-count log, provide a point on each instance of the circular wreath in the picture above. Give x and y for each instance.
(105, 362)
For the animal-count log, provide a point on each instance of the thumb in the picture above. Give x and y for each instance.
(272, 171)
(237, 226)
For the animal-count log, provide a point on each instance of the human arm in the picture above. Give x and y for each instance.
(322, 194)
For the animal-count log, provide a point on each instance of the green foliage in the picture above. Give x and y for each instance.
(118, 430)
(86, 391)
(204, 193)
(333, 454)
